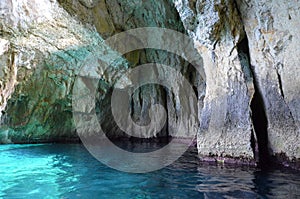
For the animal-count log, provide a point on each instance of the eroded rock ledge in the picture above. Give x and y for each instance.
(249, 93)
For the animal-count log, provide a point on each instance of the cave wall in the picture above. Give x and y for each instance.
(44, 50)
(273, 29)
(248, 92)
(112, 17)
(217, 30)
(251, 65)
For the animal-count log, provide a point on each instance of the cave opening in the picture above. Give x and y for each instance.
(259, 137)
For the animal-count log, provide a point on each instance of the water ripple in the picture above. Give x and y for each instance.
(68, 171)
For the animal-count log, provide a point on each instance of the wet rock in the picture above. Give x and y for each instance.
(46, 49)
(247, 88)
(217, 30)
(8, 73)
(272, 28)
(112, 17)
(49, 47)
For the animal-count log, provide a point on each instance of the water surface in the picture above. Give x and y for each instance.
(69, 171)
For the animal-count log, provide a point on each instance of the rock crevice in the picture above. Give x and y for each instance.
(272, 34)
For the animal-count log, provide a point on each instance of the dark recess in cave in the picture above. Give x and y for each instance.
(260, 124)
(259, 118)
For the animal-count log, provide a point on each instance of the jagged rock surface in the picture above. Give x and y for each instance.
(44, 48)
(273, 32)
(112, 17)
(250, 60)
(225, 121)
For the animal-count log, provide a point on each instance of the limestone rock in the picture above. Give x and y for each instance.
(112, 17)
(8, 73)
(225, 119)
(248, 90)
(48, 49)
(42, 51)
(273, 29)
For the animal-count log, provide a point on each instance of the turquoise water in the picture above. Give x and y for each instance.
(69, 171)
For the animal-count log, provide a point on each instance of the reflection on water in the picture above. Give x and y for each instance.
(68, 171)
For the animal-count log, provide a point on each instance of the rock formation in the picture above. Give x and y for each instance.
(217, 31)
(248, 93)
(272, 29)
(49, 47)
